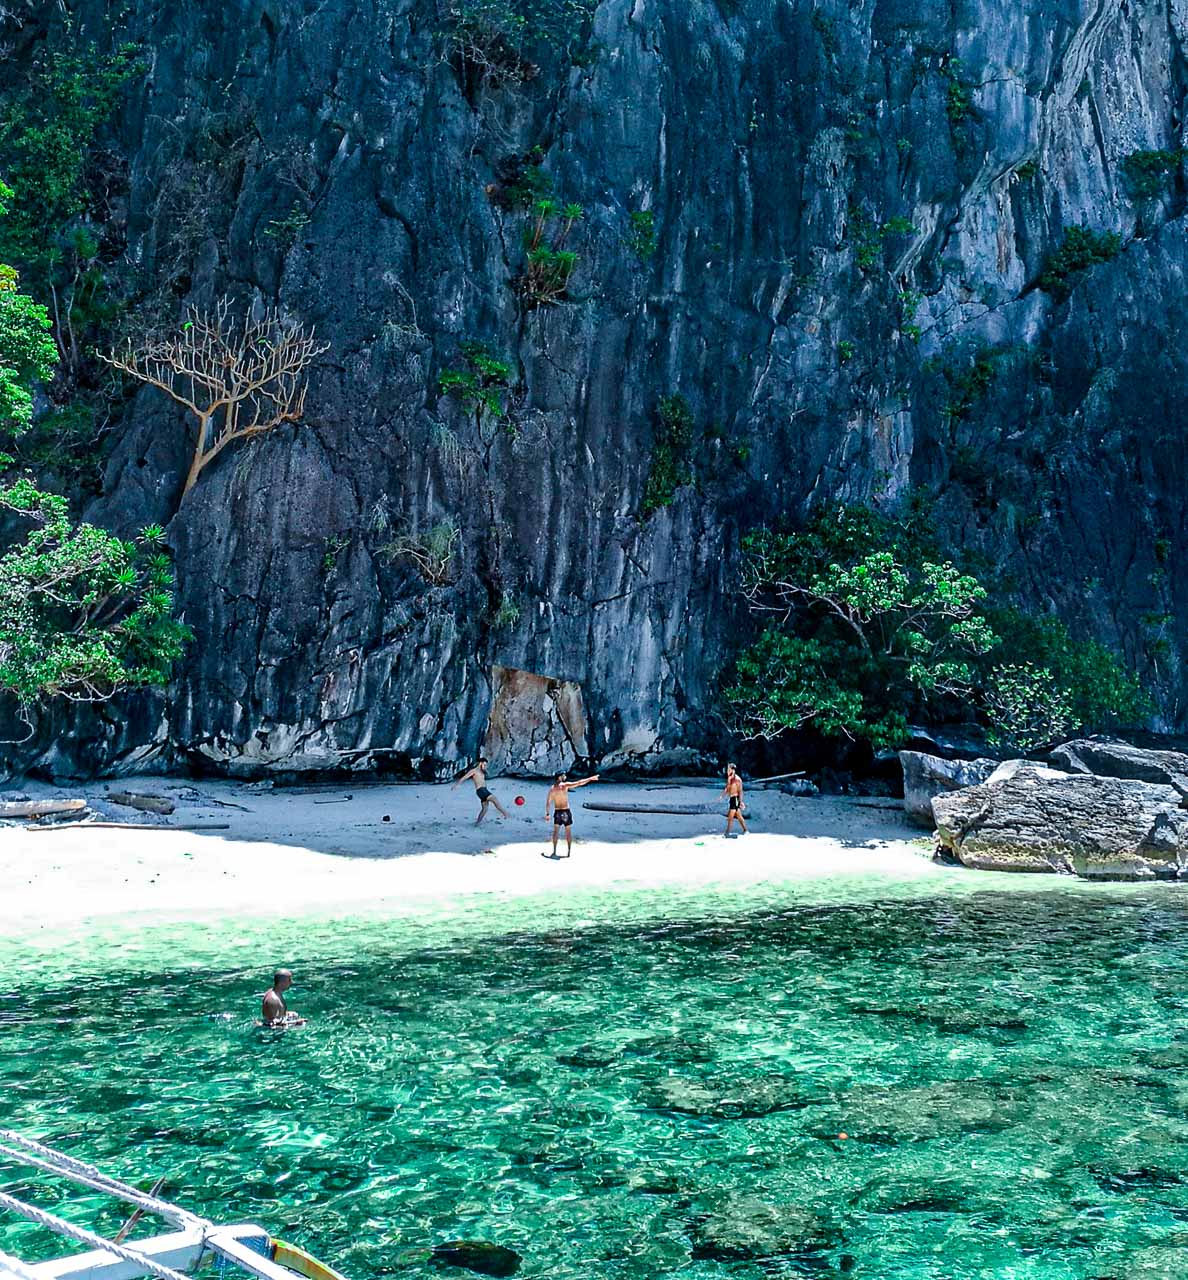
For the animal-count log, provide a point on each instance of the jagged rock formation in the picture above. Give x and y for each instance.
(925, 777)
(333, 157)
(1027, 817)
(1111, 759)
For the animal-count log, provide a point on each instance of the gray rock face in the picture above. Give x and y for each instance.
(925, 777)
(1026, 817)
(330, 157)
(1121, 760)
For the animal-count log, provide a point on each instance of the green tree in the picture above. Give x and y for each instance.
(82, 613)
(866, 634)
(873, 625)
(27, 351)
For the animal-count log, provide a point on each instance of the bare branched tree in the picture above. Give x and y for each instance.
(239, 378)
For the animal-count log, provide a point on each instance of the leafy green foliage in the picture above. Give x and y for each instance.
(1100, 693)
(1026, 707)
(784, 682)
(1080, 249)
(1150, 173)
(868, 236)
(549, 263)
(82, 613)
(481, 386)
(845, 351)
(498, 43)
(671, 454)
(968, 381)
(27, 351)
(47, 129)
(642, 236)
(875, 626)
(958, 105)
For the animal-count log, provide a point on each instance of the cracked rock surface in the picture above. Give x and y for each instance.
(1027, 817)
(326, 154)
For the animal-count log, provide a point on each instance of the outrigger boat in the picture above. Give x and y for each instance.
(193, 1245)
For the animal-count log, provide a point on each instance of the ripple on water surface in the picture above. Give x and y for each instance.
(633, 1096)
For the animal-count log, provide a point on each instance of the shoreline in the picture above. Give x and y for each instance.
(395, 848)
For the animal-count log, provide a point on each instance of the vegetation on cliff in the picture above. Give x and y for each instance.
(873, 626)
(82, 613)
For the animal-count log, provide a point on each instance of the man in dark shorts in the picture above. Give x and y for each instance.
(562, 815)
(478, 775)
(734, 801)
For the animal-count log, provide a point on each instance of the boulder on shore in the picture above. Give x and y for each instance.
(1112, 759)
(1027, 817)
(925, 777)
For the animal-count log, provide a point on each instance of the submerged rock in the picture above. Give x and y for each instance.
(1026, 817)
(925, 777)
(477, 1255)
(891, 1115)
(742, 1228)
(724, 1099)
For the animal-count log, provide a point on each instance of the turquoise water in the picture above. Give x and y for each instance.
(613, 1093)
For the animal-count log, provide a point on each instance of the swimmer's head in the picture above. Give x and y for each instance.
(562, 777)
(282, 980)
(732, 768)
(482, 759)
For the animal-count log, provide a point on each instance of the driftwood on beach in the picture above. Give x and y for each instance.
(39, 808)
(684, 809)
(131, 826)
(143, 800)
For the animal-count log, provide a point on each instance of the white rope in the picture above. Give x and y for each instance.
(46, 1158)
(10, 1266)
(63, 1228)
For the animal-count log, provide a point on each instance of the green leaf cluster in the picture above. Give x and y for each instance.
(642, 236)
(1080, 249)
(672, 446)
(874, 626)
(1149, 173)
(47, 129)
(27, 351)
(481, 386)
(82, 613)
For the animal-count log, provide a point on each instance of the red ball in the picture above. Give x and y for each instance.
(519, 799)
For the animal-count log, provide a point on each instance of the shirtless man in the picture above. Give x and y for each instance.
(562, 815)
(478, 775)
(734, 802)
(274, 1012)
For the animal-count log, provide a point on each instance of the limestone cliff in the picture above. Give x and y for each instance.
(842, 207)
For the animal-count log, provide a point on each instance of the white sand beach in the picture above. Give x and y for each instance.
(309, 850)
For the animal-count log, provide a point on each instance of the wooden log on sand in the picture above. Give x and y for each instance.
(39, 808)
(144, 800)
(132, 826)
(684, 809)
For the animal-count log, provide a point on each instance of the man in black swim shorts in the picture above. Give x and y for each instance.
(478, 775)
(558, 802)
(734, 801)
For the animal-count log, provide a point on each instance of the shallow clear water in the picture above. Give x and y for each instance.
(613, 1094)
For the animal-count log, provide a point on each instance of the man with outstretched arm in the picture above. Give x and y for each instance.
(562, 815)
(478, 775)
(734, 801)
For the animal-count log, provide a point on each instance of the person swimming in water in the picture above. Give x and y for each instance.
(558, 801)
(734, 801)
(275, 1012)
(478, 775)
